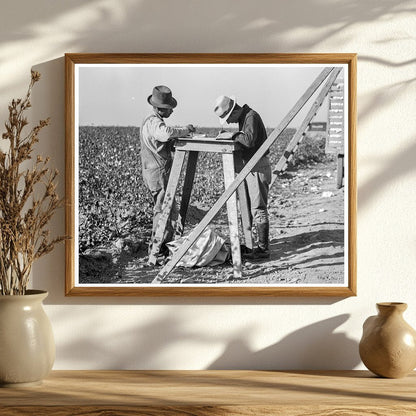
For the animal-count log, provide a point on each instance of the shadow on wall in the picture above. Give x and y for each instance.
(313, 347)
(141, 26)
(48, 100)
(153, 345)
(126, 348)
(392, 170)
(97, 21)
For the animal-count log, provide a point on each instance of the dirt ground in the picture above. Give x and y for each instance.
(306, 240)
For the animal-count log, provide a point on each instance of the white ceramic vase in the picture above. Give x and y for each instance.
(27, 346)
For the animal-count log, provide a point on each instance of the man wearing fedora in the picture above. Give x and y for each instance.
(251, 136)
(156, 142)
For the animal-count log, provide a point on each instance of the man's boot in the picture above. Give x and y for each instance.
(262, 251)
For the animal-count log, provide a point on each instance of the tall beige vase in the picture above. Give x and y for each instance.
(388, 345)
(27, 347)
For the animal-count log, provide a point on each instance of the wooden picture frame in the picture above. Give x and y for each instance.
(104, 90)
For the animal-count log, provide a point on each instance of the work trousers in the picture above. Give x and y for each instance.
(156, 180)
(258, 182)
(169, 235)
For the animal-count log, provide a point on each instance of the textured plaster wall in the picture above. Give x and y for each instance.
(192, 333)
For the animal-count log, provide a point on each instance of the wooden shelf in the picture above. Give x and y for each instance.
(202, 393)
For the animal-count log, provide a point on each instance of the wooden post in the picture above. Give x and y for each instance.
(187, 185)
(228, 168)
(246, 220)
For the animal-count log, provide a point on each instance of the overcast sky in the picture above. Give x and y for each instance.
(117, 94)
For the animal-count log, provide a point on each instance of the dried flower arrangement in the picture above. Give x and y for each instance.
(28, 199)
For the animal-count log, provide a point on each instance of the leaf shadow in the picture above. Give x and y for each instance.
(315, 346)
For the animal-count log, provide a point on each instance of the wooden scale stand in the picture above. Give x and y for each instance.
(232, 163)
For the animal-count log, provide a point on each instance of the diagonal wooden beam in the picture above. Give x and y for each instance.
(196, 232)
(298, 136)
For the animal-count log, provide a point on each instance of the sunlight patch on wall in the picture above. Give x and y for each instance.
(258, 24)
(50, 39)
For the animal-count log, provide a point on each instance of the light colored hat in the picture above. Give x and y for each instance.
(223, 107)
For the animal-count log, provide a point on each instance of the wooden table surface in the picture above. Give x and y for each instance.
(254, 393)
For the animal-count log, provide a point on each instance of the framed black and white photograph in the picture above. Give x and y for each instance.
(210, 174)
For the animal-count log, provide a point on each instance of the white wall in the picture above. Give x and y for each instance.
(198, 333)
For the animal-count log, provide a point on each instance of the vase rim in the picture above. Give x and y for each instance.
(32, 293)
(402, 306)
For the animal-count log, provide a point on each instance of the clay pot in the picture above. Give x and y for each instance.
(27, 347)
(388, 345)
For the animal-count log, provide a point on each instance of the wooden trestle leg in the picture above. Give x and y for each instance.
(246, 220)
(228, 166)
(187, 185)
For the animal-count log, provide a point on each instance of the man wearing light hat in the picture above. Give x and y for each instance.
(156, 142)
(251, 136)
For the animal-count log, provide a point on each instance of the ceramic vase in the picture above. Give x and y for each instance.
(27, 347)
(388, 345)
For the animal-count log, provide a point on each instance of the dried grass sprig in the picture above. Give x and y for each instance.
(28, 199)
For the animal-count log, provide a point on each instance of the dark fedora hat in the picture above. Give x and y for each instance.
(162, 97)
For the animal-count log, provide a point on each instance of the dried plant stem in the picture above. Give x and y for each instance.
(23, 217)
